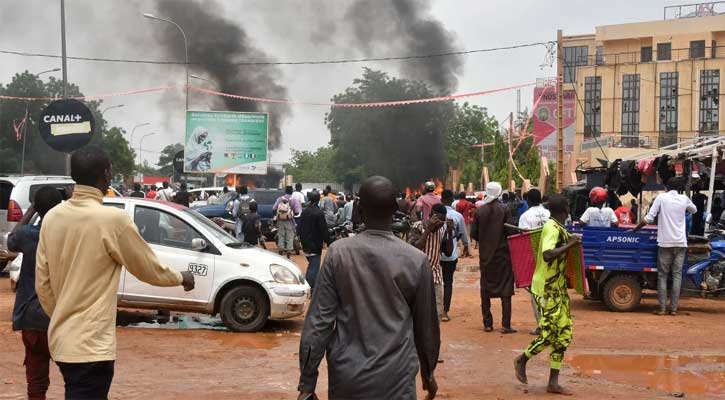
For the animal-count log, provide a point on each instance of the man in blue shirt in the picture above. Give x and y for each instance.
(28, 315)
(448, 263)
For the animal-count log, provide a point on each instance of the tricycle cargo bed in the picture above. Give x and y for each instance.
(618, 249)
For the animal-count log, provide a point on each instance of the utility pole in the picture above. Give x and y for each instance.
(511, 156)
(65, 69)
(559, 112)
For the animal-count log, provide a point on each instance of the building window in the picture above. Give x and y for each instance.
(600, 55)
(668, 108)
(697, 49)
(714, 49)
(709, 101)
(664, 51)
(592, 106)
(646, 54)
(630, 110)
(574, 57)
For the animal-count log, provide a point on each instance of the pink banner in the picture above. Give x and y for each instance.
(545, 120)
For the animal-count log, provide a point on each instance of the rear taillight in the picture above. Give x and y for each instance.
(15, 213)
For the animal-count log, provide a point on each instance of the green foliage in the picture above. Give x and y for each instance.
(39, 158)
(306, 166)
(116, 145)
(472, 125)
(166, 159)
(401, 143)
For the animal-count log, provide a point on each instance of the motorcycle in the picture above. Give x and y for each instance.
(707, 273)
(401, 224)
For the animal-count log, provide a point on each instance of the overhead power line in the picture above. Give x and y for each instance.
(270, 63)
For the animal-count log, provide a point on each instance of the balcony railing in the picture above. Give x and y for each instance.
(637, 140)
(637, 57)
(695, 10)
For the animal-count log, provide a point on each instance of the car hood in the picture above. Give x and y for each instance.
(259, 258)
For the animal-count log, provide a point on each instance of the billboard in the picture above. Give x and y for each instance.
(226, 142)
(545, 120)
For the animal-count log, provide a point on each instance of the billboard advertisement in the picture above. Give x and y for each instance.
(545, 120)
(226, 142)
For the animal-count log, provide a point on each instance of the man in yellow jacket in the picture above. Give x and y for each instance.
(83, 245)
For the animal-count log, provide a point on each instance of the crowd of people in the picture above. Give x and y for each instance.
(377, 300)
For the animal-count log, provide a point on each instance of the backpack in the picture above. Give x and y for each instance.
(283, 211)
(230, 206)
(243, 209)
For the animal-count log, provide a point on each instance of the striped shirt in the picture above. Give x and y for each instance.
(432, 249)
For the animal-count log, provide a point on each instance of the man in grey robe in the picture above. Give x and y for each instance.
(373, 312)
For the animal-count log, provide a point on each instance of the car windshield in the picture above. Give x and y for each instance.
(213, 229)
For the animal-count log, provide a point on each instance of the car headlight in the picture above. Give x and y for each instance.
(282, 274)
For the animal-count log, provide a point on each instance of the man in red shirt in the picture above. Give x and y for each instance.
(151, 193)
(624, 215)
(467, 209)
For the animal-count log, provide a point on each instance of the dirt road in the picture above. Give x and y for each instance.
(635, 355)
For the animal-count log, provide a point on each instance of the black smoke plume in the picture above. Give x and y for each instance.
(405, 27)
(214, 43)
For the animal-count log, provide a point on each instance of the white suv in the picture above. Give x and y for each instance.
(245, 285)
(16, 195)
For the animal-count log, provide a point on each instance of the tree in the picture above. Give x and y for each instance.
(39, 157)
(166, 159)
(472, 125)
(405, 144)
(116, 146)
(306, 166)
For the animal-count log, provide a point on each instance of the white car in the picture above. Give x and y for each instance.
(245, 285)
(16, 195)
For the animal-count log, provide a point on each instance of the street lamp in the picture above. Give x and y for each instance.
(186, 50)
(140, 145)
(130, 142)
(48, 71)
(110, 108)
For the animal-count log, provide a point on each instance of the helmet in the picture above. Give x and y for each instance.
(430, 186)
(598, 195)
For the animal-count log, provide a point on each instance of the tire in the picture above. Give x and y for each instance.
(244, 309)
(622, 293)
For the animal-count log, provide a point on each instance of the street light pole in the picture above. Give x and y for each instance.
(65, 69)
(130, 141)
(140, 145)
(110, 108)
(186, 51)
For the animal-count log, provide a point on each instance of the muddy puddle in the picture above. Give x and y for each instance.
(155, 321)
(674, 374)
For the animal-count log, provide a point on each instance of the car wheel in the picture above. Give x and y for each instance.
(245, 309)
(622, 293)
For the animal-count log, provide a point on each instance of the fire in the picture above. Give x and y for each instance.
(415, 192)
(233, 180)
(439, 186)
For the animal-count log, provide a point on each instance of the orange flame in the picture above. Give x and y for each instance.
(238, 180)
(413, 192)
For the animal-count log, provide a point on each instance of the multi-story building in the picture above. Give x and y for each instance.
(642, 86)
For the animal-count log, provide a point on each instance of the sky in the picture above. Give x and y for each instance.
(287, 30)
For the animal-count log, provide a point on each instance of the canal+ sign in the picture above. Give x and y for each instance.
(66, 125)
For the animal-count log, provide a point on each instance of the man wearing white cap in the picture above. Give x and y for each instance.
(497, 277)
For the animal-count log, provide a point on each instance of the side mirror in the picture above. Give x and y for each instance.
(198, 244)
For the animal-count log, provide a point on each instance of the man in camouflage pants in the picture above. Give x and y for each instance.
(549, 290)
